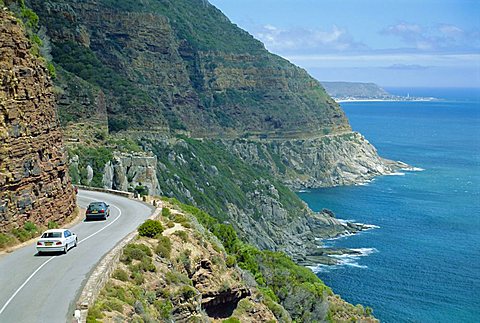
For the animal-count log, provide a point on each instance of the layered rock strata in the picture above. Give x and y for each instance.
(34, 181)
(329, 160)
(128, 171)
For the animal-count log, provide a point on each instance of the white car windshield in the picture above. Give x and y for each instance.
(52, 235)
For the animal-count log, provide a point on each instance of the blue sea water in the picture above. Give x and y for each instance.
(423, 262)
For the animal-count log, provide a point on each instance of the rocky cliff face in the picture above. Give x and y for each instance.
(262, 210)
(34, 181)
(129, 171)
(329, 160)
(181, 65)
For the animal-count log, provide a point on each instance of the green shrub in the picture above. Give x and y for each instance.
(170, 224)
(231, 320)
(117, 292)
(166, 212)
(6, 240)
(180, 218)
(30, 227)
(150, 228)
(94, 313)
(138, 278)
(230, 261)
(120, 274)
(184, 260)
(182, 235)
(150, 296)
(52, 225)
(21, 234)
(51, 70)
(164, 308)
(162, 293)
(187, 292)
(228, 236)
(30, 17)
(135, 251)
(173, 277)
(113, 304)
(164, 247)
(148, 265)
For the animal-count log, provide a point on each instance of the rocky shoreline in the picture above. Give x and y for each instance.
(322, 255)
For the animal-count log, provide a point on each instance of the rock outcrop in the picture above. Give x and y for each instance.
(263, 211)
(34, 181)
(328, 160)
(128, 171)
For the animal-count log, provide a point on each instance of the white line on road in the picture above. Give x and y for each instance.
(119, 215)
(23, 285)
(50, 259)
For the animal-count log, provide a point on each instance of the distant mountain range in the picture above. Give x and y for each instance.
(356, 91)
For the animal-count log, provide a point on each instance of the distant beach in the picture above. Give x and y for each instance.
(341, 100)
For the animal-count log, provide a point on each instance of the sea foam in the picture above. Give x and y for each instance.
(350, 260)
(396, 174)
(413, 169)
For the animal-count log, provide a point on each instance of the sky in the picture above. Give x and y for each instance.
(402, 43)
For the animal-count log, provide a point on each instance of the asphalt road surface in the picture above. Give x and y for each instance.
(45, 288)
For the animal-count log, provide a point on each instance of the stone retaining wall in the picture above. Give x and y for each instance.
(106, 190)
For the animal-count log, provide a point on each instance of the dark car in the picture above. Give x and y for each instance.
(97, 210)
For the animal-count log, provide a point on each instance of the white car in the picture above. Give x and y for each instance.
(56, 240)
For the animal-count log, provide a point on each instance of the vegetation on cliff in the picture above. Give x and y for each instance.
(181, 65)
(39, 41)
(211, 274)
(230, 180)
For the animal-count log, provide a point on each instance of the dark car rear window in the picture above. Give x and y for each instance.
(96, 206)
(52, 235)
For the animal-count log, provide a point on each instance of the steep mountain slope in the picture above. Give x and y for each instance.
(182, 65)
(34, 182)
(161, 73)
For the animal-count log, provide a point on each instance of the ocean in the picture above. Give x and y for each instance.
(422, 263)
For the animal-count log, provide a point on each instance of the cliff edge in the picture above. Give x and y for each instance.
(34, 181)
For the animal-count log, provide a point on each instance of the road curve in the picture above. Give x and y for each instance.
(37, 288)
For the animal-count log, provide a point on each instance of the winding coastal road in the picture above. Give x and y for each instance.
(37, 288)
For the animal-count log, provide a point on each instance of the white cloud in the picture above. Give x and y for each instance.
(386, 60)
(450, 30)
(404, 29)
(407, 67)
(302, 39)
(442, 37)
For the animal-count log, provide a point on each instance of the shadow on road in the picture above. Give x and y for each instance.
(48, 254)
(93, 220)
